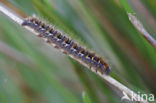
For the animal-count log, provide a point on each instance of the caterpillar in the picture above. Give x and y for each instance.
(66, 44)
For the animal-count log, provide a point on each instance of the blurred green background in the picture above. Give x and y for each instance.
(31, 71)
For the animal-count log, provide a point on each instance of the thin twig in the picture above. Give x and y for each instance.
(142, 30)
(111, 81)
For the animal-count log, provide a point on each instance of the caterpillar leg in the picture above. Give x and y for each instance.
(40, 35)
(56, 46)
(107, 71)
(64, 52)
(90, 66)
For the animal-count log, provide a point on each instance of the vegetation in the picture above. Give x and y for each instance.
(33, 72)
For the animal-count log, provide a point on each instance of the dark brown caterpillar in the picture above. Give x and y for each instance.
(67, 45)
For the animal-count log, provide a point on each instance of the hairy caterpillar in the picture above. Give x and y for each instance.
(67, 45)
